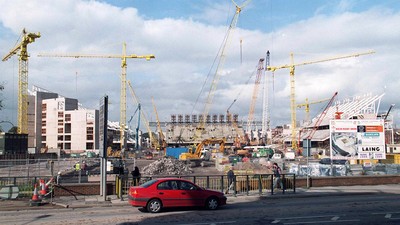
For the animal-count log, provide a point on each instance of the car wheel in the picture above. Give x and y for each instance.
(212, 203)
(154, 206)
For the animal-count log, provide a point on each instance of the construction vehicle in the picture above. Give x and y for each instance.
(291, 68)
(123, 58)
(199, 154)
(22, 47)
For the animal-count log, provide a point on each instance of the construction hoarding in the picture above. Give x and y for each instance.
(357, 139)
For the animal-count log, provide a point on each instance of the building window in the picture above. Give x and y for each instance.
(89, 130)
(60, 138)
(68, 146)
(89, 145)
(43, 123)
(44, 107)
(43, 145)
(60, 130)
(43, 130)
(60, 114)
(60, 146)
(67, 128)
(43, 138)
(43, 115)
(60, 122)
(67, 137)
(89, 137)
(67, 117)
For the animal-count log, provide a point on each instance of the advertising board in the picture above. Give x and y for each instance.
(357, 139)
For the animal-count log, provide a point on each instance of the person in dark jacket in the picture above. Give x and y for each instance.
(277, 176)
(136, 176)
(231, 179)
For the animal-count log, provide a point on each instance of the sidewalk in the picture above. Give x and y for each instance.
(112, 200)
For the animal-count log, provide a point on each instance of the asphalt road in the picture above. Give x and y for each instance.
(350, 209)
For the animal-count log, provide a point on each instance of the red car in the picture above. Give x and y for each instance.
(173, 192)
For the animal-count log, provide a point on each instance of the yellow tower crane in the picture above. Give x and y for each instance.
(22, 47)
(307, 104)
(123, 57)
(219, 67)
(153, 141)
(291, 68)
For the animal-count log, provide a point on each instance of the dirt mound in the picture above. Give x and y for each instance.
(167, 166)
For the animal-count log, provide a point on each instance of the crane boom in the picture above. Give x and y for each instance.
(146, 122)
(307, 104)
(217, 74)
(161, 134)
(260, 70)
(123, 58)
(321, 117)
(291, 68)
(22, 47)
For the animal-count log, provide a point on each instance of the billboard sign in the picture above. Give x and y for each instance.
(357, 139)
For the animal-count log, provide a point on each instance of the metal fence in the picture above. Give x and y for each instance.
(243, 184)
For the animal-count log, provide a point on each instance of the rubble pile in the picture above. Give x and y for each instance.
(167, 166)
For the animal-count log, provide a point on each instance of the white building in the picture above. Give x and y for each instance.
(60, 124)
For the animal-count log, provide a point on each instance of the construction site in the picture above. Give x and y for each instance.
(51, 123)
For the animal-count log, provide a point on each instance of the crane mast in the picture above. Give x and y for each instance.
(123, 58)
(22, 47)
(265, 112)
(291, 68)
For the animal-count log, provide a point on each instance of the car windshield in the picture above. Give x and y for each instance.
(148, 183)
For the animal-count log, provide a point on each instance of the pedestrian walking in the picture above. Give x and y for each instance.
(231, 180)
(136, 176)
(277, 176)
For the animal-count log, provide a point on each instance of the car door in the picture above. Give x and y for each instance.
(168, 192)
(190, 194)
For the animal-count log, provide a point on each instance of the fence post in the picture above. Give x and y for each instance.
(260, 184)
(294, 183)
(272, 184)
(247, 184)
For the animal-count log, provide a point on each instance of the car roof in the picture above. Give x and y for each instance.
(169, 178)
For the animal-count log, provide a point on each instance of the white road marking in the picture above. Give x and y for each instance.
(335, 218)
(321, 222)
(209, 223)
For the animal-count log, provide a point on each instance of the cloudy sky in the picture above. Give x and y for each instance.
(185, 37)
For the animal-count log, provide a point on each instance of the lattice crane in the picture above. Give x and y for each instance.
(291, 68)
(123, 58)
(22, 48)
(260, 71)
(219, 67)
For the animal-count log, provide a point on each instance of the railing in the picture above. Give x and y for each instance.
(243, 184)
